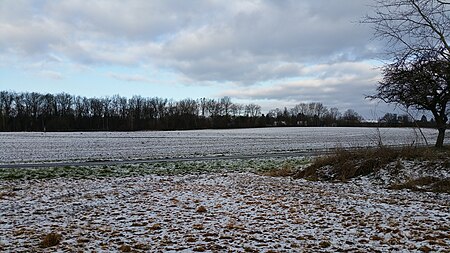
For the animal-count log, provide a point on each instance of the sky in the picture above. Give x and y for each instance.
(275, 53)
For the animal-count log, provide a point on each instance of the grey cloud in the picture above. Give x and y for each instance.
(30, 39)
(49, 74)
(128, 78)
(238, 47)
(339, 85)
(220, 41)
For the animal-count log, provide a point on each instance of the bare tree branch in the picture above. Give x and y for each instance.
(412, 28)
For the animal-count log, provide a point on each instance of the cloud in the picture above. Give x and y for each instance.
(342, 85)
(289, 51)
(129, 78)
(49, 74)
(240, 46)
(239, 41)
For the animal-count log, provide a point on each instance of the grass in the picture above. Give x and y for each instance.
(286, 170)
(343, 164)
(260, 165)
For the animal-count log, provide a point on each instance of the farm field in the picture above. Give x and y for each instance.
(27, 147)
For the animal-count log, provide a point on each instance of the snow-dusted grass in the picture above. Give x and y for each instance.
(168, 168)
(219, 212)
(87, 146)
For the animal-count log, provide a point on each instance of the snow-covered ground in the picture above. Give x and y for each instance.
(225, 208)
(82, 146)
(242, 212)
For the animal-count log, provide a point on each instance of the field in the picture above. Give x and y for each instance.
(233, 205)
(84, 146)
(232, 212)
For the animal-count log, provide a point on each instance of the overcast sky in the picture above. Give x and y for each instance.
(273, 53)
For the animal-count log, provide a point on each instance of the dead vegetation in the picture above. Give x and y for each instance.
(50, 240)
(125, 248)
(201, 209)
(344, 165)
(433, 184)
(284, 171)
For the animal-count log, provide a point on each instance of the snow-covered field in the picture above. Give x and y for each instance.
(219, 212)
(82, 146)
(212, 206)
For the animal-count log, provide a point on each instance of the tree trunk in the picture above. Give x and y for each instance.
(440, 138)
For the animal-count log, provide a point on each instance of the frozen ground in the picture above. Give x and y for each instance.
(90, 146)
(242, 212)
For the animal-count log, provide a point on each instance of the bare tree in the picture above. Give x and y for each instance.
(252, 110)
(334, 113)
(236, 109)
(351, 117)
(64, 103)
(81, 107)
(226, 104)
(6, 107)
(417, 34)
(423, 85)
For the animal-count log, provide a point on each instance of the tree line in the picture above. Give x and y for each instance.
(32, 111)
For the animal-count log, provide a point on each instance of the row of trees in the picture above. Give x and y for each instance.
(405, 120)
(64, 112)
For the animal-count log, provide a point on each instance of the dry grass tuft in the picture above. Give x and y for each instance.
(125, 248)
(199, 249)
(142, 246)
(5, 195)
(191, 239)
(425, 249)
(285, 171)
(198, 226)
(324, 244)
(250, 250)
(155, 226)
(201, 209)
(50, 240)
